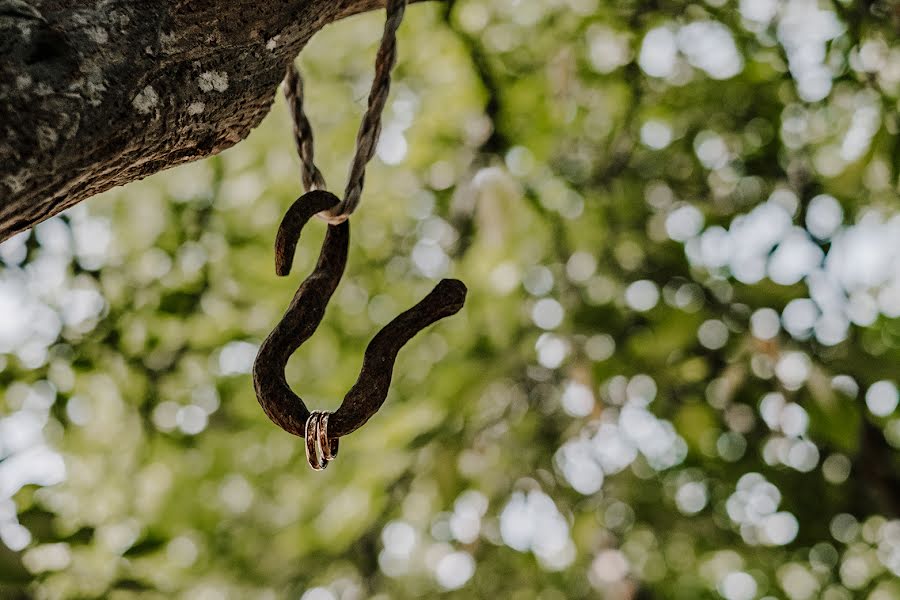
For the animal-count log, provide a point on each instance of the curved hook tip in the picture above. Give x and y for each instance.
(301, 211)
(453, 291)
(371, 387)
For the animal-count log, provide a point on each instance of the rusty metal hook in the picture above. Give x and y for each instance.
(305, 312)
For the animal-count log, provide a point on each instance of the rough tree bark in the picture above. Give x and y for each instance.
(97, 93)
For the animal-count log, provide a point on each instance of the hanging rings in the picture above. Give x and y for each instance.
(320, 448)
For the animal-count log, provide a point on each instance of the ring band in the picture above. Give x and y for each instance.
(316, 462)
(329, 446)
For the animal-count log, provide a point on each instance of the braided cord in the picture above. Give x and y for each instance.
(369, 128)
(303, 134)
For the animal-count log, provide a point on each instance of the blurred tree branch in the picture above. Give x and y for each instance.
(98, 93)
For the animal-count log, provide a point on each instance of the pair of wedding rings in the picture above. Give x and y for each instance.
(320, 449)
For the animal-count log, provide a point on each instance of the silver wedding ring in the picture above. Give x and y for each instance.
(328, 446)
(320, 449)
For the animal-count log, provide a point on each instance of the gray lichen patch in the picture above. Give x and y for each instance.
(93, 86)
(47, 137)
(168, 41)
(97, 34)
(16, 182)
(196, 108)
(42, 89)
(24, 31)
(213, 80)
(146, 100)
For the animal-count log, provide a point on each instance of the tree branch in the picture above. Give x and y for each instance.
(98, 93)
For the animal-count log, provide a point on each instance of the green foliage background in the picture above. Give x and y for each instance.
(518, 159)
